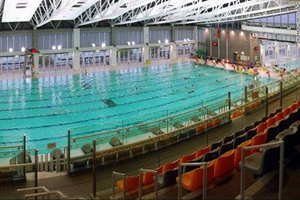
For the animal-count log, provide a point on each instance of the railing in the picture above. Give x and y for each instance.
(204, 164)
(141, 182)
(35, 189)
(114, 175)
(58, 195)
(281, 160)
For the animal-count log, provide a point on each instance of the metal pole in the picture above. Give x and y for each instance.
(167, 121)
(242, 173)
(229, 105)
(36, 158)
(246, 96)
(179, 182)
(280, 94)
(69, 151)
(24, 154)
(281, 170)
(94, 169)
(204, 182)
(113, 186)
(206, 127)
(267, 101)
(140, 184)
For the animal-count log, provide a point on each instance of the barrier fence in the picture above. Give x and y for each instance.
(137, 139)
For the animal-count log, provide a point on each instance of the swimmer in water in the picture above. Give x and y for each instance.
(218, 81)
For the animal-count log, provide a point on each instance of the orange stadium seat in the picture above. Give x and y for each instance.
(148, 177)
(271, 121)
(132, 183)
(279, 116)
(186, 158)
(171, 165)
(193, 180)
(238, 152)
(261, 127)
(201, 152)
(224, 164)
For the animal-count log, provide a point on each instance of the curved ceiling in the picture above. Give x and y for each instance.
(148, 12)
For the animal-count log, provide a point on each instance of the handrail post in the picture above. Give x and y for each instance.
(141, 182)
(69, 151)
(204, 193)
(280, 86)
(36, 158)
(267, 101)
(94, 169)
(24, 155)
(281, 160)
(242, 173)
(179, 182)
(281, 171)
(114, 173)
(246, 94)
(229, 105)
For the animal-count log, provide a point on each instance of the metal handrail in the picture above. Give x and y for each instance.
(11, 147)
(16, 166)
(59, 194)
(141, 182)
(123, 175)
(43, 188)
(204, 194)
(281, 160)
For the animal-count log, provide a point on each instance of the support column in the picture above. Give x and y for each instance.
(227, 42)
(173, 51)
(210, 40)
(128, 55)
(196, 37)
(262, 53)
(172, 33)
(119, 57)
(145, 50)
(76, 45)
(158, 52)
(36, 63)
(35, 70)
(113, 57)
(112, 36)
(219, 45)
(276, 50)
(298, 22)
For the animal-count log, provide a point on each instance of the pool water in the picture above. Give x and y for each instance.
(45, 108)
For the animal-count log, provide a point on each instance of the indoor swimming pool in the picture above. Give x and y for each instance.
(45, 108)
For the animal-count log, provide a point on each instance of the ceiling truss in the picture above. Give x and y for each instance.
(153, 12)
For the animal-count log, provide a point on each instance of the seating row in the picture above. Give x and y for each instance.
(219, 155)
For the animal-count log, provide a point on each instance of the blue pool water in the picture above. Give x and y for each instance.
(45, 108)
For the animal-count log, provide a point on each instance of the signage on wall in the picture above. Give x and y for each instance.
(215, 44)
(256, 48)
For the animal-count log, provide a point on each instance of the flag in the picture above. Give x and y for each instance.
(218, 32)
